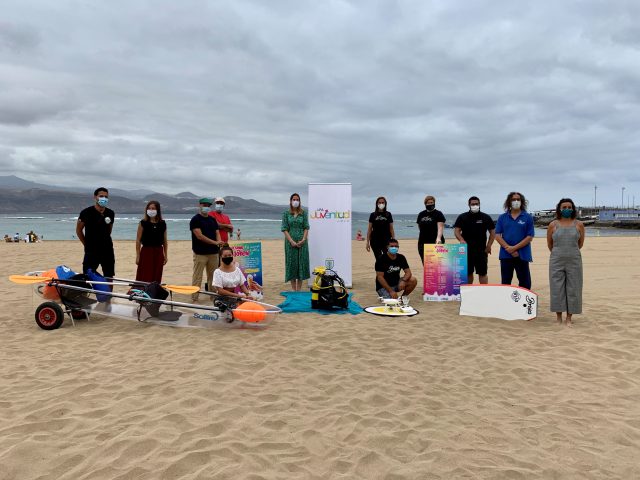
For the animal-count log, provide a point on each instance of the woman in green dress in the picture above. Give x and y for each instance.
(295, 226)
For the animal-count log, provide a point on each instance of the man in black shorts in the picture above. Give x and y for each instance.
(94, 231)
(471, 228)
(388, 266)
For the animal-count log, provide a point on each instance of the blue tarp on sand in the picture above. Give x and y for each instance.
(295, 302)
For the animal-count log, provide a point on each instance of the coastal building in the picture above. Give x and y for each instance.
(619, 215)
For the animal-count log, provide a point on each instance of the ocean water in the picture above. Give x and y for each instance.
(258, 227)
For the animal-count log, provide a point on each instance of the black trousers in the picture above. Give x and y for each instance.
(509, 265)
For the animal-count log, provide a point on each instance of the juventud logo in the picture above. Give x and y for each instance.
(324, 214)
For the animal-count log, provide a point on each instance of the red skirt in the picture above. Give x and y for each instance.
(151, 264)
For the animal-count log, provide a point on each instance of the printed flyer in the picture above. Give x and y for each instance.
(249, 258)
(445, 269)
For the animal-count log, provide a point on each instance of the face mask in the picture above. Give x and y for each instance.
(227, 260)
(152, 213)
(566, 212)
(295, 203)
(474, 208)
(430, 208)
(103, 201)
(219, 207)
(393, 250)
(516, 204)
(205, 210)
(381, 206)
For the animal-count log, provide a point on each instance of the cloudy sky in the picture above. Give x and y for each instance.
(258, 98)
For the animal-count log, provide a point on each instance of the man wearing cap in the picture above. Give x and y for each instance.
(205, 243)
(224, 222)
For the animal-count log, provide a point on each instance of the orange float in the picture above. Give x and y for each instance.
(250, 312)
(50, 292)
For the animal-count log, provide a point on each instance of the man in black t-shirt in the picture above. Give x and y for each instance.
(471, 228)
(205, 243)
(431, 224)
(94, 227)
(388, 266)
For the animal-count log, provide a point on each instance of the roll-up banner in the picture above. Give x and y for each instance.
(330, 228)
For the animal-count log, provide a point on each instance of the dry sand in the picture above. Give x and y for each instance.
(322, 397)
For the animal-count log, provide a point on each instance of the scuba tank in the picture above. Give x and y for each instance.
(328, 290)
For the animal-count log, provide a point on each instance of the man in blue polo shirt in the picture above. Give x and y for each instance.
(514, 232)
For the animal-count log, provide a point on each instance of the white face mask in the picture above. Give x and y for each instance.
(152, 213)
(219, 207)
(295, 203)
(474, 208)
(516, 204)
(381, 206)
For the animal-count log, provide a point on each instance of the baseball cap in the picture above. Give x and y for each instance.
(205, 200)
(219, 199)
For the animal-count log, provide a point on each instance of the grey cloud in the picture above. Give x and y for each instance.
(255, 99)
(17, 38)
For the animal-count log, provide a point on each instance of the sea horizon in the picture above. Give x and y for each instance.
(61, 226)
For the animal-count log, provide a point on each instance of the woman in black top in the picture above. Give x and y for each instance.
(151, 244)
(380, 229)
(431, 224)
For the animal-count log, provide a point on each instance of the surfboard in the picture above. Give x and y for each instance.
(506, 302)
(385, 311)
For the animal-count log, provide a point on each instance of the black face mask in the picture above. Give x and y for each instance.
(430, 208)
(227, 260)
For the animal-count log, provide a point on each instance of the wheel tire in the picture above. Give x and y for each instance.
(49, 316)
(78, 314)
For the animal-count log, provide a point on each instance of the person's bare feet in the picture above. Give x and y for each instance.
(559, 317)
(569, 321)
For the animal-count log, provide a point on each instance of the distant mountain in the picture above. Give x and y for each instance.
(22, 196)
(186, 195)
(11, 181)
(135, 194)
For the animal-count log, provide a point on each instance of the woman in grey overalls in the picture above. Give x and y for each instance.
(565, 237)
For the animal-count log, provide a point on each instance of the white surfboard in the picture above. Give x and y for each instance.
(506, 302)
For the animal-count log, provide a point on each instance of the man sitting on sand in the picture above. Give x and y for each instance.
(388, 266)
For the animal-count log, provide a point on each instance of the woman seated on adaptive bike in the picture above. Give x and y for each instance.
(228, 278)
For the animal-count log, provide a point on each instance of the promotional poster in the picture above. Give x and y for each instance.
(445, 269)
(249, 258)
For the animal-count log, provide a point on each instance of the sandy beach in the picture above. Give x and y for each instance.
(434, 396)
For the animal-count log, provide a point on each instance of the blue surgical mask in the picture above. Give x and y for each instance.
(103, 201)
(393, 250)
(219, 207)
(205, 210)
(566, 212)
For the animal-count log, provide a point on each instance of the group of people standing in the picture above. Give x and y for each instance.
(210, 229)
(514, 231)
